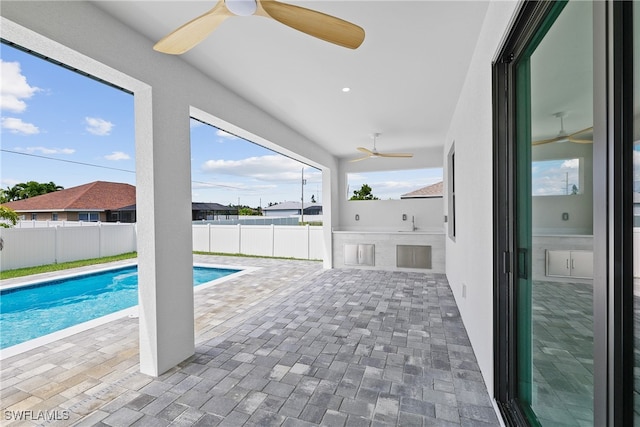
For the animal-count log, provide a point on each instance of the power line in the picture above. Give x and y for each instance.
(108, 167)
(66, 161)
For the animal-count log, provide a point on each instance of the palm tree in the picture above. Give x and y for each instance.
(28, 189)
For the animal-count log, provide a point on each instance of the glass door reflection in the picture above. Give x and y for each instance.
(554, 182)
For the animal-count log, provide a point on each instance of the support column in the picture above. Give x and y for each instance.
(330, 204)
(165, 259)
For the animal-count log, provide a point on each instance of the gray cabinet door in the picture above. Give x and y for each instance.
(559, 263)
(351, 254)
(366, 254)
(359, 254)
(413, 256)
(582, 264)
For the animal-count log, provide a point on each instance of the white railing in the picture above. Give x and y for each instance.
(33, 246)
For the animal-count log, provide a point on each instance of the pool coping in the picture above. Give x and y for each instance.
(131, 312)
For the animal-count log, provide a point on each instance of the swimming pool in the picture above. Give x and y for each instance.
(38, 309)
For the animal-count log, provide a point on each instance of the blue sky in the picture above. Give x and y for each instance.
(555, 177)
(60, 126)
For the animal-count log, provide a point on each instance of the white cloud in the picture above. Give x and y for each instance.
(15, 125)
(8, 182)
(268, 168)
(571, 164)
(117, 155)
(14, 88)
(224, 134)
(46, 150)
(98, 126)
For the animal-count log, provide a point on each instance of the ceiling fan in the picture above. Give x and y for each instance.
(314, 23)
(584, 136)
(376, 153)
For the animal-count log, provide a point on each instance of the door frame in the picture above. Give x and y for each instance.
(613, 210)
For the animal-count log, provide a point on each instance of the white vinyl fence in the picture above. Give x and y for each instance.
(304, 242)
(30, 246)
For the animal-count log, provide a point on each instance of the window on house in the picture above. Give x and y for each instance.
(451, 218)
(89, 216)
(54, 216)
(34, 216)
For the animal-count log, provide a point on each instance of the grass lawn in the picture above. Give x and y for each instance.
(19, 272)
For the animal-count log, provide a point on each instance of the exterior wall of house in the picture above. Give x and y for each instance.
(469, 256)
(282, 212)
(62, 216)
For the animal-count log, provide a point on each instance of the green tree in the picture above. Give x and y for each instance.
(364, 193)
(247, 211)
(574, 190)
(8, 217)
(24, 190)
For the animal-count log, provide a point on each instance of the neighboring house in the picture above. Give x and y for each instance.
(212, 211)
(292, 208)
(101, 201)
(431, 191)
(95, 201)
(199, 211)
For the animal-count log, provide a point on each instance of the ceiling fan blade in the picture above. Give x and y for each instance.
(365, 150)
(550, 140)
(360, 158)
(314, 23)
(584, 136)
(193, 32)
(404, 155)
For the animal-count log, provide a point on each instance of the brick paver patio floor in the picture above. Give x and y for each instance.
(289, 344)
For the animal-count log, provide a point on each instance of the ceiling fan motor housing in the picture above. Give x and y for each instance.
(242, 7)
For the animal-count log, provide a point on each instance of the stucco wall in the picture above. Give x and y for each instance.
(469, 257)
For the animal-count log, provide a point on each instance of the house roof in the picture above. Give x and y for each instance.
(435, 190)
(288, 206)
(95, 196)
(200, 206)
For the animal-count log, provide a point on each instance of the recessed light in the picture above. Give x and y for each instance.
(346, 89)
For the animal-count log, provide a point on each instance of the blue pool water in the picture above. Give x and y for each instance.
(39, 309)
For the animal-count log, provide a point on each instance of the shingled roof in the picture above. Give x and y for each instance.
(94, 196)
(434, 190)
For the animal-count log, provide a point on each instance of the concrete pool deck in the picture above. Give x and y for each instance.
(285, 344)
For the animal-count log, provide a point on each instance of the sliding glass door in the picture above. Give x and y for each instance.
(554, 219)
(566, 110)
(635, 154)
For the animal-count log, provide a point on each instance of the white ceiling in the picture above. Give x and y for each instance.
(405, 78)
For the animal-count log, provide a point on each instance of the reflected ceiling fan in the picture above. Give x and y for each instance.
(584, 136)
(376, 153)
(314, 23)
